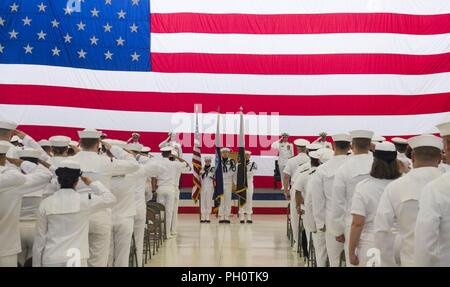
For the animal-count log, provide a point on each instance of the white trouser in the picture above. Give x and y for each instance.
(173, 229)
(206, 201)
(119, 253)
(334, 249)
(347, 246)
(225, 202)
(83, 263)
(27, 232)
(294, 216)
(139, 231)
(320, 248)
(8, 261)
(166, 196)
(281, 167)
(248, 208)
(99, 243)
(361, 251)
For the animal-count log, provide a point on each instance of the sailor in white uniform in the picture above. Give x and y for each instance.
(399, 204)
(321, 191)
(63, 219)
(102, 168)
(229, 170)
(16, 179)
(172, 142)
(294, 165)
(245, 213)
(322, 140)
(432, 242)
(365, 201)
(207, 191)
(285, 152)
(46, 146)
(60, 149)
(401, 145)
(355, 169)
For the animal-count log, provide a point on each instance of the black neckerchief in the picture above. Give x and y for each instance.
(252, 166)
(207, 169)
(225, 162)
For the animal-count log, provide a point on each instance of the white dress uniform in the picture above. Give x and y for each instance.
(207, 191)
(102, 168)
(432, 242)
(63, 226)
(444, 167)
(184, 168)
(321, 191)
(285, 152)
(294, 167)
(13, 186)
(355, 169)
(399, 204)
(365, 203)
(248, 208)
(229, 169)
(166, 172)
(176, 146)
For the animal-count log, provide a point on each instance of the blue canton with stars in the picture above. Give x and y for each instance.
(91, 34)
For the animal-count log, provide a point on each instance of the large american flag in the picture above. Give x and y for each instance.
(130, 65)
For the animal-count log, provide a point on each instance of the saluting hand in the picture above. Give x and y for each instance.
(15, 161)
(86, 180)
(20, 134)
(107, 145)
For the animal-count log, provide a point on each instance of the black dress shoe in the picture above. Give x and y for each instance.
(227, 221)
(250, 221)
(242, 221)
(208, 221)
(202, 221)
(221, 221)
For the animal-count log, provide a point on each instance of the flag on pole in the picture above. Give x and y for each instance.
(196, 162)
(218, 177)
(241, 181)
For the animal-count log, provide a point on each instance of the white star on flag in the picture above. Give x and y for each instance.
(41, 35)
(108, 55)
(121, 14)
(13, 34)
(135, 57)
(81, 26)
(120, 41)
(1, 48)
(82, 54)
(41, 7)
(55, 23)
(28, 49)
(93, 40)
(67, 10)
(67, 38)
(107, 2)
(94, 12)
(2, 22)
(135, 2)
(56, 51)
(134, 28)
(27, 21)
(107, 27)
(14, 7)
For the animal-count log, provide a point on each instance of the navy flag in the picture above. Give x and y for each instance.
(241, 180)
(218, 178)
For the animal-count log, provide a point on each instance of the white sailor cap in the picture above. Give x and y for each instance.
(313, 146)
(325, 154)
(341, 138)
(89, 134)
(364, 134)
(398, 140)
(15, 139)
(166, 148)
(425, 140)
(301, 142)
(7, 125)
(28, 152)
(70, 164)
(248, 152)
(59, 141)
(444, 129)
(44, 143)
(284, 134)
(74, 143)
(378, 138)
(4, 147)
(207, 157)
(118, 143)
(314, 154)
(224, 149)
(137, 147)
(146, 149)
(385, 146)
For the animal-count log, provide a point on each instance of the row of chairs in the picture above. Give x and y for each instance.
(155, 233)
(304, 249)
